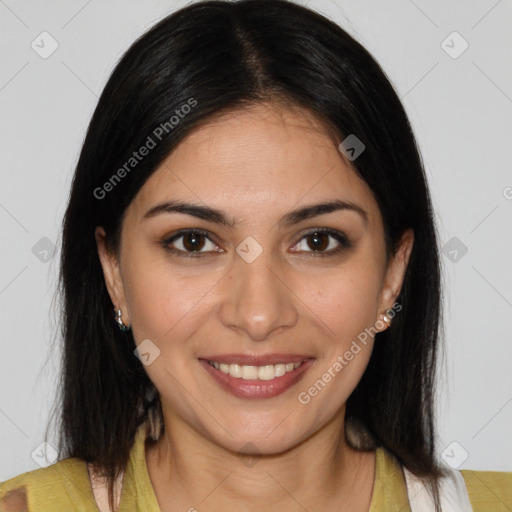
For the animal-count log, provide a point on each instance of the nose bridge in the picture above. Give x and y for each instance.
(258, 301)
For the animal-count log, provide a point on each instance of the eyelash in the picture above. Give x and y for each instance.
(337, 235)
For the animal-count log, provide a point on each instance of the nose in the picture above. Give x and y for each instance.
(257, 299)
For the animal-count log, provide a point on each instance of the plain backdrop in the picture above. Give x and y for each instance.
(450, 63)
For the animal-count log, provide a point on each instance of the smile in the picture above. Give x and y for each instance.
(256, 381)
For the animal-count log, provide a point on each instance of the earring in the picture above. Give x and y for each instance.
(119, 321)
(388, 315)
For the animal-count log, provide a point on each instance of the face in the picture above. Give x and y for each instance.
(252, 278)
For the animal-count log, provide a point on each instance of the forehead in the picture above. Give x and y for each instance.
(260, 159)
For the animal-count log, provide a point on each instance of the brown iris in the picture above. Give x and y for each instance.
(318, 241)
(193, 241)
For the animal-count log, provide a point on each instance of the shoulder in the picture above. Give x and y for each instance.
(53, 474)
(489, 490)
(62, 483)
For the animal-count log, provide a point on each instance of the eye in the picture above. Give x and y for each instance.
(323, 242)
(190, 241)
(193, 243)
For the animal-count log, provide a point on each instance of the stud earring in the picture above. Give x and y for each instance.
(388, 315)
(120, 322)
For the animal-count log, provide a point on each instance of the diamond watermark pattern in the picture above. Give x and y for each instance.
(44, 250)
(454, 249)
(454, 454)
(249, 459)
(44, 45)
(44, 455)
(352, 147)
(146, 352)
(249, 249)
(454, 45)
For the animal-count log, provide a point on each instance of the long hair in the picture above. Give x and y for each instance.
(216, 57)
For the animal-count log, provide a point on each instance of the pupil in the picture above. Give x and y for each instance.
(319, 241)
(193, 241)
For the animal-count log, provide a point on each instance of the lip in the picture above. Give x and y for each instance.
(255, 389)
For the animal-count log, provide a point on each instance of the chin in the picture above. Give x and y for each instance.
(252, 442)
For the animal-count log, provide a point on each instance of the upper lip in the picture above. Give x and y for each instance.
(256, 360)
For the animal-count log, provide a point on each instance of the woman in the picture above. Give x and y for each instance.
(251, 204)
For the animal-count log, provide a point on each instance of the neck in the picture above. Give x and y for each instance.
(322, 472)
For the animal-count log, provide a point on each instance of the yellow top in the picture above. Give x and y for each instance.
(65, 486)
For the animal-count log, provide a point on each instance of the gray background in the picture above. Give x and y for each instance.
(459, 104)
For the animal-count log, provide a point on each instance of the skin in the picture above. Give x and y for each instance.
(256, 165)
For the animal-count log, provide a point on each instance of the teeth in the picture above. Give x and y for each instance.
(249, 372)
(267, 372)
(280, 370)
(235, 370)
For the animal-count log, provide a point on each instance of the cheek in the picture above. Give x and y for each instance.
(168, 309)
(347, 305)
(346, 300)
(164, 303)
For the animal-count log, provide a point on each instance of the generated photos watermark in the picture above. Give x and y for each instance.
(151, 142)
(304, 397)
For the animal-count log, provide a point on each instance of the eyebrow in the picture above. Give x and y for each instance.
(218, 217)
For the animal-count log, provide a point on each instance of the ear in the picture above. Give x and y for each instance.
(111, 273)
(395, 271)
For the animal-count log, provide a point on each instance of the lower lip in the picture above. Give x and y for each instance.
(257, 388)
